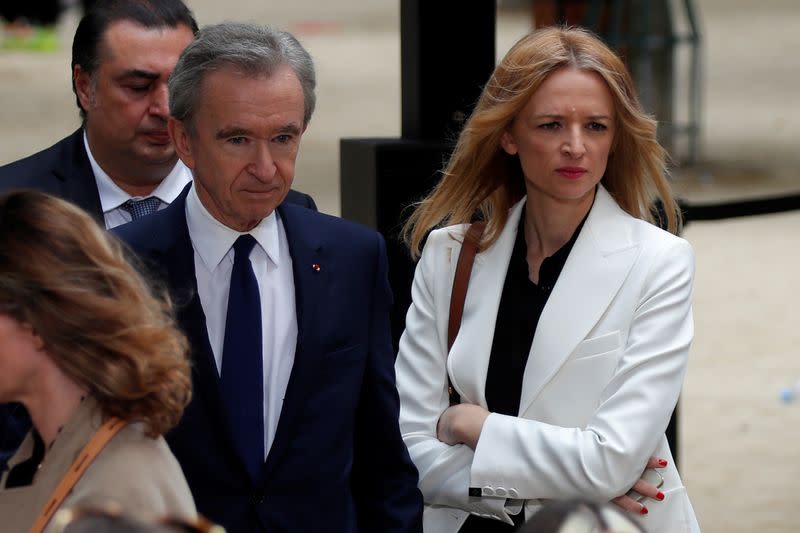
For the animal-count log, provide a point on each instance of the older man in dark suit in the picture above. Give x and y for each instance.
(293, 425)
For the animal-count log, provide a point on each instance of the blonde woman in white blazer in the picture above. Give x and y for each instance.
(564, 164)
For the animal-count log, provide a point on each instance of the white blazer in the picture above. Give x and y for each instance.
(603, 375)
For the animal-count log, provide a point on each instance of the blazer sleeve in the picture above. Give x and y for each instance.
(385, 479)
(444, 470)
(603, 459)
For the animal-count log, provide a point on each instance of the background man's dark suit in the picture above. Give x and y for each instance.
(63, 170)
(338, 462)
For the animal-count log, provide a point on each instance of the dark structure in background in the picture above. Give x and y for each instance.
(447, 54)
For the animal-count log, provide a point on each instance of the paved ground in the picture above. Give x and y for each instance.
(738, 454)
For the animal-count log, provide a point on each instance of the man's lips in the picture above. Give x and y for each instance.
(260, 192)
(571, 172)
(157, 136)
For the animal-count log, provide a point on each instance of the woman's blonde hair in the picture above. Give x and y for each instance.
(100, 322)
(481, 176)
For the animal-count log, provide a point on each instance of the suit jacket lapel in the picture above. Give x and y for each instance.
(77, 178)
(599, 262)
(311, 274)
(178, 257)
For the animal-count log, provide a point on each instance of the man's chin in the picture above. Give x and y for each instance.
(164, 155)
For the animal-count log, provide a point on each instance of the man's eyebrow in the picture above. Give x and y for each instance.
(138, 73)
(238, 131)
(291, 128)
(233, 131)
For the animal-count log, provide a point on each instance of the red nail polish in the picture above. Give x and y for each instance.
(660, 496)
(643, 511)
(662, 462)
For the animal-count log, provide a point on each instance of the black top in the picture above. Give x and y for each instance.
(22, 474)
(521, 305)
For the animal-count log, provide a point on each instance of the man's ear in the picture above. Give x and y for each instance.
(182, 141)
(83, 87)
(508, 143)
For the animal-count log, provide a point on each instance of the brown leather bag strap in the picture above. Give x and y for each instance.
(459, 294)
(111, 427)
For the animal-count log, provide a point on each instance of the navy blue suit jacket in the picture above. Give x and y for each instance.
(338, 462)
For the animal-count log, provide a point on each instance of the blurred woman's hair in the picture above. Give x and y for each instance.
(100, 321)
(481, 177)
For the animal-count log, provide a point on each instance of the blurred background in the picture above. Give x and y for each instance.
(731, 116)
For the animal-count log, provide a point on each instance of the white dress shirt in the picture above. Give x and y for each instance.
(112, 196)
(213, 260)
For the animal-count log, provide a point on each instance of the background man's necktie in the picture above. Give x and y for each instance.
(140, 208)
(242, 364)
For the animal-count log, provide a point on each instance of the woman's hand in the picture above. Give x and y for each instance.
(461, 424)
(644, 488)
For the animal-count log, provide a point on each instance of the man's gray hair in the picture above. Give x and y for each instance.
(247, 48)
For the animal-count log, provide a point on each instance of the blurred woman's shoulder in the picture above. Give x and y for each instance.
(140, 474)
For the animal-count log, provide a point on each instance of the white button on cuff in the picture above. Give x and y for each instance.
(488, 491)
(500, 491)
(513, 494)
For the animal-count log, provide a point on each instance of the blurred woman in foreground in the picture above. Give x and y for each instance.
(95, 357)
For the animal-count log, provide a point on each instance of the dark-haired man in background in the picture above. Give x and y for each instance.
(122, 54)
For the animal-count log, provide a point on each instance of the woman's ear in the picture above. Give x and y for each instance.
(38, 341)
(508, 143)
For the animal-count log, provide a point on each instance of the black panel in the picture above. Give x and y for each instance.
(380, 177)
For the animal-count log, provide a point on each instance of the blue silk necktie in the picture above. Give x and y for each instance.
(241, 380)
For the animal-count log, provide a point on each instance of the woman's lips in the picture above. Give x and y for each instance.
(571, 172)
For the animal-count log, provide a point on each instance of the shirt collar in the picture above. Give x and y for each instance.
(112, 196)
(212, 239)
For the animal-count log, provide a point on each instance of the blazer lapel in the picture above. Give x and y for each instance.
(311, 274)
(599, 262)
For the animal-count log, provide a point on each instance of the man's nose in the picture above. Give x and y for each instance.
(263, 165)
(159, 101)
